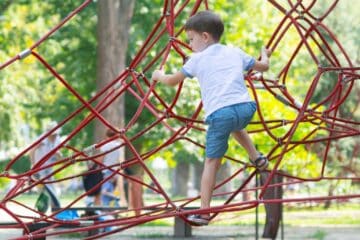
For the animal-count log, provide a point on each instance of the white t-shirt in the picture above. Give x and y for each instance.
(219, 70)
(112, 157)
(42, 150)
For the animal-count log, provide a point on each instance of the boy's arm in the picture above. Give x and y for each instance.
(100, 159)
(263, 64)
(32, 156)
(168, 79)
(123, 201)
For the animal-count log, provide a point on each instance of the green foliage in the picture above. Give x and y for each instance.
(20, 166)
(319, 235)
(341, 160)
(30, 92)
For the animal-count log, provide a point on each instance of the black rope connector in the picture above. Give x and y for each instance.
(246, 165)
(141, 74)
(72, 158)
(166, 114)
(324, 115)
(301, 14)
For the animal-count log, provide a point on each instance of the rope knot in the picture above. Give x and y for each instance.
(30, 236)
(122, 131)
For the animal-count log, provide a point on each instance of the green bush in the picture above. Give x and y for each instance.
(20, 166)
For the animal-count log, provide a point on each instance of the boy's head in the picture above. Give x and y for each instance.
(55, 133)
(110, 133)
(208, 22)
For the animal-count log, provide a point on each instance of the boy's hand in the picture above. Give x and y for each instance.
(168, 79)
(262, 65)
(157, 75)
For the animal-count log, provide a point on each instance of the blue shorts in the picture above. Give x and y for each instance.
(224, 121)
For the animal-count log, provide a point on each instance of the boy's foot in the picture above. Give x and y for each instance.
(261, 162)
(198, 220)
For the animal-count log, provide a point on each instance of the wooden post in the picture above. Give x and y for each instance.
(181, 228)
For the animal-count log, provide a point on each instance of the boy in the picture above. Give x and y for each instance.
(226, 101)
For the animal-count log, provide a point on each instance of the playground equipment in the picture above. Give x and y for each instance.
(322, 121)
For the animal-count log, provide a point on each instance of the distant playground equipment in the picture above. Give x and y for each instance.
(321, 116)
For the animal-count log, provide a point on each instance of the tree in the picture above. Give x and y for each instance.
(343, 157)
(114, 18)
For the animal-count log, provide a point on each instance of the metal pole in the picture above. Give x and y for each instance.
(282, 218)
(257, 207)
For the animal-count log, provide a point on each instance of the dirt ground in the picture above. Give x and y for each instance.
(219, 232)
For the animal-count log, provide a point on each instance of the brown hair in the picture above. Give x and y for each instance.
(206, 21)
(110, 132)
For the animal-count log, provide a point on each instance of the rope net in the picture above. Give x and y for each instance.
(315, 122)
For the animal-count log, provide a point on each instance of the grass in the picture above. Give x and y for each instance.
(75, 235)
(299, 216)
(319, 234)
(295, 215)
(160, 223)
(348, 214)
(345, 214)
(154, 235)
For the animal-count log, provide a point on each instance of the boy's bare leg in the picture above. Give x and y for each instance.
(120, 185)
(208, 180)
(97, 200)
(135, 195)
(244, 139)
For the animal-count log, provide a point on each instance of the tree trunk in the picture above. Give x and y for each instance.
(223, 173)
(180, 179)
(114, 18)
(331, 190)
(198, 169)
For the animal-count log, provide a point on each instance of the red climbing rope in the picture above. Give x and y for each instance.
(323, 116)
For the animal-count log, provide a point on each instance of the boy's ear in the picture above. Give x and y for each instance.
(207, 36)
